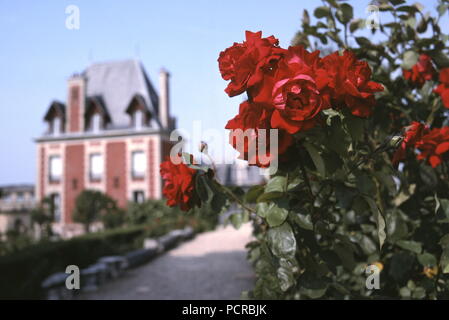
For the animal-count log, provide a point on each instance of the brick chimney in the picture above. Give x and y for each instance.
(164, 98)
(75, 103)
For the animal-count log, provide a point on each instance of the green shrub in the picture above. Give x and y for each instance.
(23, 271)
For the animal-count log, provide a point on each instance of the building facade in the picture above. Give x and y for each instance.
(16, 203)
(110, 135)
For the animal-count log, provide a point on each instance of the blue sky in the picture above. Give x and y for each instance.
(38, 54)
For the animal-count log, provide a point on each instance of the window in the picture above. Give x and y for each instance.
(139, 164)
(20, 197)
(96, 166)
(138, 119)
(96, 123)
(56, 126)
(138, 196)
(55, 164)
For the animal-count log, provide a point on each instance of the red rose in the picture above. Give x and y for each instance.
(179, 182)
(421, 72)
(433, 145)
(296, 91)
(443, 87)
(246, 64)
(249, 128)
(412, 135)
(350, 83)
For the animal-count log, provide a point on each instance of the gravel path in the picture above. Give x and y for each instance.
(211, 266)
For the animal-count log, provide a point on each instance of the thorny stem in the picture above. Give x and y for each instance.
(305, 177)
(435, 107)
(236, 199)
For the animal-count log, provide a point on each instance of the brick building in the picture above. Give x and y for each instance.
(110, 135)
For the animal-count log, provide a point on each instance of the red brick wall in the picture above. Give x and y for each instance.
(74, 178)
(151, 163)
(74, 108)
(42, 173)
(166, 148)
(116, 172)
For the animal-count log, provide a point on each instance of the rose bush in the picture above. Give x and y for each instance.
(364, 141)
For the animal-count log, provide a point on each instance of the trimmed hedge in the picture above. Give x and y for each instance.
(21, 273)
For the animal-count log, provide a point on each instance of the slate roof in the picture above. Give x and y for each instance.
(117, 83)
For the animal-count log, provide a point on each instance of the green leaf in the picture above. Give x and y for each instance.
(316, 158)
(427, 260)
(442, 209)
(442, 8)
(345, 195)
(262, 209)
(285, 274)
(363, 42)
(397, 2)
(410, 245)
(355, 127)
(312, 286)
(440, 58)
(355, 25)
(380, 221)
(365, 184)
(444, 261)
(305, 17)
(276, 184)
(270, 196)
(346, 256)
(337, 137)
(218, 202)
(202, 188)
(276, 214)
(396, 227)
(444, 241)
(321, 12)
(253, 193)
(410, 59)
(282, 241)
(237, 220)
(333, 3)
(345, 13)
(304, 221)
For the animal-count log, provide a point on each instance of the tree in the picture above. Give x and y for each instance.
(90, 206)
(42, 215)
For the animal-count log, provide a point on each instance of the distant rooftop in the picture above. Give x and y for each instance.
(16, 188)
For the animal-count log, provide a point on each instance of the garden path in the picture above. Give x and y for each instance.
(211, 266)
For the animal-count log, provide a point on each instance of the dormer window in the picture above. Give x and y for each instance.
(96, 123)
(137, 109)
(56, 126)
(138, 119)
(55, 118)
(96, 116)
